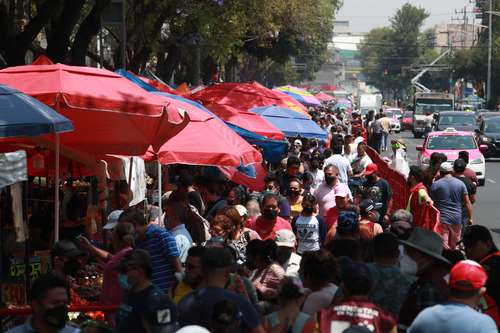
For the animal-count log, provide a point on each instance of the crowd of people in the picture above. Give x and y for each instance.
(321, 249)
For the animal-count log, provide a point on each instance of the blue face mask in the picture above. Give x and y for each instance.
(124, 283)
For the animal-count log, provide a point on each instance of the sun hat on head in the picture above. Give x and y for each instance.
(427, 242)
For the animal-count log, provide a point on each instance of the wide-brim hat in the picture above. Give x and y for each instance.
(426, 241)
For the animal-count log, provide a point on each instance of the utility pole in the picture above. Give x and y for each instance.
(488, 79)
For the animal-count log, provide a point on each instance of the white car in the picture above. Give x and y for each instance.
(395, 121)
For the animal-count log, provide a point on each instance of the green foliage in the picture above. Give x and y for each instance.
(387, 52)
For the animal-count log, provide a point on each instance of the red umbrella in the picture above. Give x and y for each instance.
(323, 97)
(206, 140)
(245, 96)
(110, 114)
(247, 120)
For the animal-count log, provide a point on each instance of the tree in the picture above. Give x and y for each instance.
(386, 53)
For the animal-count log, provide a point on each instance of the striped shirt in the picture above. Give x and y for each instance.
(161, 246)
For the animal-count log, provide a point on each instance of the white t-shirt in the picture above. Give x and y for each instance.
(307, 228)
(292, 266)
(363, 162)
(318, 178)
(342, 164)
(320, 299)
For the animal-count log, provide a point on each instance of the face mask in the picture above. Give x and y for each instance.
(230, 202)
(283, 256)
(56, 317)
(124, 283)
(294, 193)
(71, 267)
(330, 179)
(308, 210)
(270, 214)
(408, 266)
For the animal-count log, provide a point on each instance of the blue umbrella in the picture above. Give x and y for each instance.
(290, 122)
(22, 115)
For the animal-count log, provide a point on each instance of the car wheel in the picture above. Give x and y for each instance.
(481, 182)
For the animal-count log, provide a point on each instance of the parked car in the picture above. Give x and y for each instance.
(395, 123)
(450, 142)
(407, 121)
(489, 135)
(459, 120)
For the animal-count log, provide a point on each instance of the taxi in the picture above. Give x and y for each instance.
(450, 142)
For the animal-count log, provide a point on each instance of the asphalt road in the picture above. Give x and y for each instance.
(487, 206)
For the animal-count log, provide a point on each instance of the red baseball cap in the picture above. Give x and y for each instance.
(467, 275)
(370, 168)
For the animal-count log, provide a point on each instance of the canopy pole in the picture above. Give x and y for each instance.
(159, 188)
(56, 189)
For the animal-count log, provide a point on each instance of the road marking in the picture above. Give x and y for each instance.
(491, 181)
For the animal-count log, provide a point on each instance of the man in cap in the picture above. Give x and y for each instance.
(65, 256)
(286, 254)
(341, 202)
(448, 194)
(326, 192)
(467, 285)
(423, 258)
(379, 191)
(145, 307)
(197, 307)
(368, 226)
(356, 309)
(296, 148)
(479, 246)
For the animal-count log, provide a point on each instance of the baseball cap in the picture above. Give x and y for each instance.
(66, 248)
(368, 205)
(286, 238)
(112, 219)
(193, 329)
(474, 234)
(297, 142)
(467, 275)
(241, 210)
(370, 169)
(348, 222)
(342, 191)
(446, 167)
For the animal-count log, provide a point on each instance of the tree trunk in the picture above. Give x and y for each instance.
(62, 29)
(15, 46)
(88, 30)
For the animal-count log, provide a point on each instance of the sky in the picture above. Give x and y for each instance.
(367, 14)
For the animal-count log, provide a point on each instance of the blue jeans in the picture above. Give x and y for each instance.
(385, 138)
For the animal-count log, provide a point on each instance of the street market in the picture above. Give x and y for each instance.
(143, 196)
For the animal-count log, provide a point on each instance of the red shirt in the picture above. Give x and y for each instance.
(267, 230)
(471, 175)
(356, 311)
(331, 217)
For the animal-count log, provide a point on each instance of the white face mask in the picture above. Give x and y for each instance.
(408, 266)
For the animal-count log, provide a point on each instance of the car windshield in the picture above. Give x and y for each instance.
(432, 105)
(457, 120)
(492, 125)
(389, 114)
(408, 114)
(451, 142)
